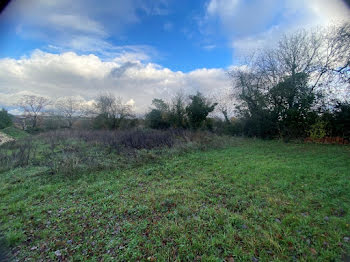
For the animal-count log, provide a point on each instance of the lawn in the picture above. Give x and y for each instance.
(251, 201)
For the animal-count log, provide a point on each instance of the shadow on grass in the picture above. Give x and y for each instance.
(4, 254)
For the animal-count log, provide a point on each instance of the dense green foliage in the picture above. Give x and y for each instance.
(5, 119)
(178, 114)
(255, 200)
(155, 120)
(341, 120)
(282, 111)
(158, 118)
(198, 110)
(314, 123)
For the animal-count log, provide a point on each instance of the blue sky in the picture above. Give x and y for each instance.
(172, 32)
(61, 48)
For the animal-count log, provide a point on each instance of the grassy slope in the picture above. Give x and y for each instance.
(14, 132)
(258, 199)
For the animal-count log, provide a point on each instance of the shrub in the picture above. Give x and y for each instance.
(16, 154)
(52, 123)
(318, 130)
(138, 139)
(198, 110)
(101, 122)
(5, 119)
(155, 120)
(260, 125)
(234, 127)
(342, 120)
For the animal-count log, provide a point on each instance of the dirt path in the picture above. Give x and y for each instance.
(5, 138)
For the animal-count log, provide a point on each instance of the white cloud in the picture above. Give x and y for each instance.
(86, 76)
(319, 11)
(239, 17)
(15, 112)
(209, 47)
(76, 23)
(251, 24)
(224, 8)
(80, 25)
(131, 102)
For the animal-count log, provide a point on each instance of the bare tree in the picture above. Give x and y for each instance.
(343, 37)
(70, 108)
(33, 106)
(323, 55)
(336, 52)
(112, 109)
(294, 54)
(225, 105)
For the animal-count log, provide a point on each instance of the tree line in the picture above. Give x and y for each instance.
(295, 88)
(110, 112)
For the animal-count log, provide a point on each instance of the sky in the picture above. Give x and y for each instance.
(140, 50)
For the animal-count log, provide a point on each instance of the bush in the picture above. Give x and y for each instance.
(102, 122)
(140, 139)
(234, 127)
(260, 125)
(198, 110)
(155, 120)
(342, 120)
(52, 123)
(318, 130)
(5, 119)
(16, 154)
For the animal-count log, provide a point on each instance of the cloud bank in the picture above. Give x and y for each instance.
(252, 24)
(86, 76)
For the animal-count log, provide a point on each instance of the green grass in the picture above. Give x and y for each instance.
(254, 200)
(14, 132)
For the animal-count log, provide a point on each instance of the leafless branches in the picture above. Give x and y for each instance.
(323, 55)
(33, 107)
(70, 108)
(113, 109)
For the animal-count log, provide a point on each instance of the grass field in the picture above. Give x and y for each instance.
(252, 201)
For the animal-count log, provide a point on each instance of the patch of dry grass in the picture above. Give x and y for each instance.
(5, 138)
